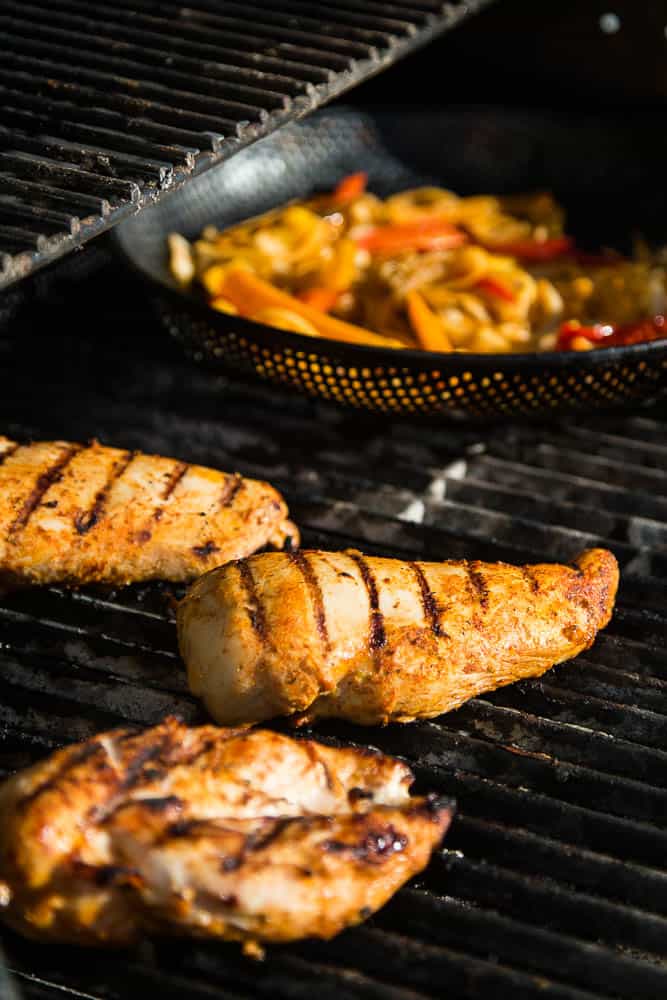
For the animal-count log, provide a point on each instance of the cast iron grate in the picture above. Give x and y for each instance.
(104, 112)
(552, 883)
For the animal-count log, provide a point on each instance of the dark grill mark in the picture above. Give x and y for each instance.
(44, 482)
(159, 804)
(254, 608)
(374, 847)
(376, 635)
(136, 769)
(231, 863)
(10, 451)
(429, 603)
(227, 899)
(183, 827)
(207, 549)
(258, 841)
(108, 875)
(174, 479)
(84, 522)
(477, 583)
(358, 795)
(80, 756)
(230, 490)
(315, 590)
(530, 578)
(196, 752)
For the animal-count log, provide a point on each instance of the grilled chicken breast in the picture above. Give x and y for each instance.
(244, 835)
(86, 513)
(380, 640)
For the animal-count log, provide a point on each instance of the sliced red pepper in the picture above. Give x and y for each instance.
(350, 187)
(535, 249)
(496, 287)
(653, 328)
(423, 234)
(572, 329)
(320, 298)
(644, 330)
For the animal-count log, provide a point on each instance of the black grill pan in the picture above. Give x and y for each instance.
(470, 150)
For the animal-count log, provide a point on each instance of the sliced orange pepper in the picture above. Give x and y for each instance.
(319, 298)
(423, 234)
(350, 187)
(496, 287)
(251, 295)
(534, 249)
(427, 325)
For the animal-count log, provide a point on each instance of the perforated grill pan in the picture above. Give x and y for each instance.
(600, 168)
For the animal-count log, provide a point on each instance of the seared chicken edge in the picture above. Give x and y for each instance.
(236, 834)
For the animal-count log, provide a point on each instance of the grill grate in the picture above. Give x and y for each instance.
(103, 114)
(553, 881)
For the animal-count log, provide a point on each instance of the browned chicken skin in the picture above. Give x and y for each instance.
(243, 835)
(379, 640)
(87, 513)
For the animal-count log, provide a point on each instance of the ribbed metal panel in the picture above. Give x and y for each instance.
(105, 109)
(552, 883)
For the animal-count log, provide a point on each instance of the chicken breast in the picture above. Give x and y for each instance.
(243, 835)
(380, 640)
(87, 513)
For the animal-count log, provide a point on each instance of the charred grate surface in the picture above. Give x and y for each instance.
(104, 112)
(553, 881)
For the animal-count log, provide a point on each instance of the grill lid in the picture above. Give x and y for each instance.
(102, 115)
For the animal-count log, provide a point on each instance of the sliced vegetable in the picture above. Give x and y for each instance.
(319, 298)
(535, 249)
(285, 319)
(350, 187)
(180, 259)
(609, 335)
(251, 295)
(223, 305)
(424, 234)
(341, 270)
(213, 279)
(427, 325)
(494, 286)
(335, 277)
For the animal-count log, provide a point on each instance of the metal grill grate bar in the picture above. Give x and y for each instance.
(527, 945)
(114, 36)
(552, 881)
(532, 854)
(157, 91)
(138, 59)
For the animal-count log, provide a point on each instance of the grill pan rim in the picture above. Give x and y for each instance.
(482, 385)
(391, 356)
